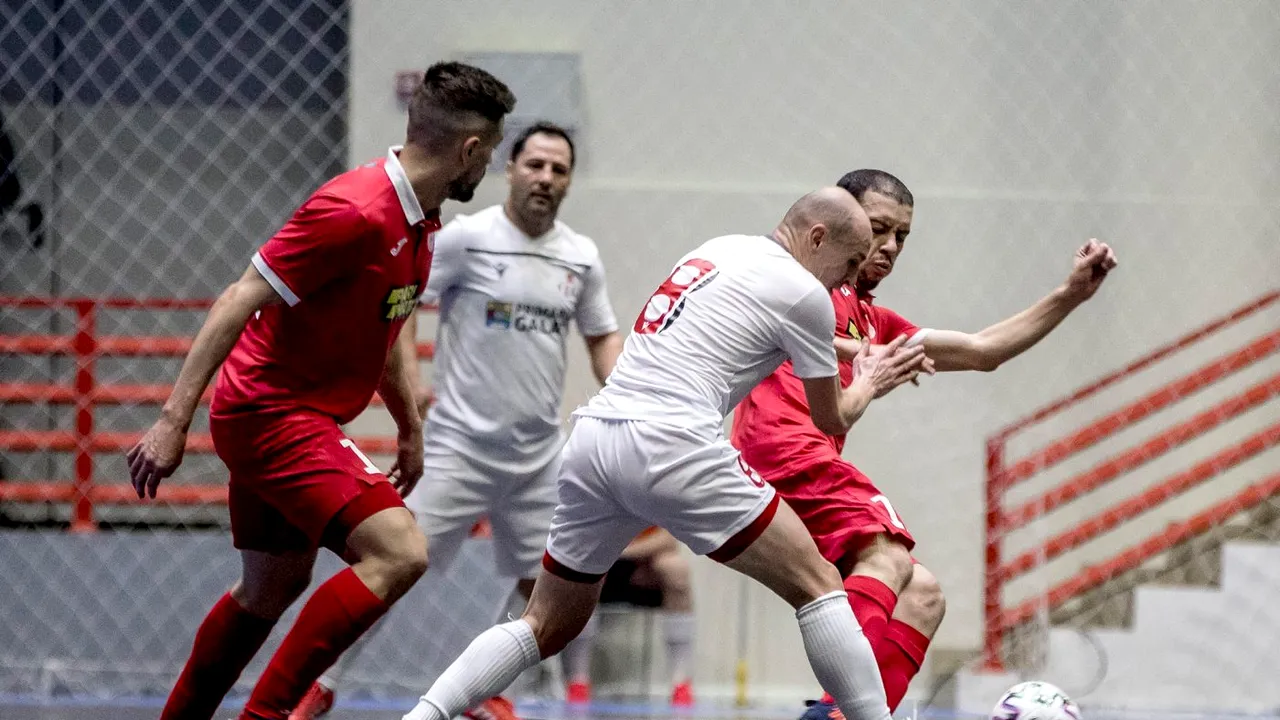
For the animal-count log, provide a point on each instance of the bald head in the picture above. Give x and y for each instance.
(828, 233)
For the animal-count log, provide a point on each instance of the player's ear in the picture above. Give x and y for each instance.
(511, 169)
(817, 234)
(470, 147)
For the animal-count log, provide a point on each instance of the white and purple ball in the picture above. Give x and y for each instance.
(1035, 700)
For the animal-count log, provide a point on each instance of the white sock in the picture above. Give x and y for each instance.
(577, 654)
(841, 657)
(678, 630)
(491, 663)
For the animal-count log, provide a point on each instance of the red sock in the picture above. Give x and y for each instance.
(872, 602)
(224, 644)
(338, 613)
(900, 654)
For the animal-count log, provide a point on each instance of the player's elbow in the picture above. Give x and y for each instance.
(984, 362)
(832, 423)
(981, 356)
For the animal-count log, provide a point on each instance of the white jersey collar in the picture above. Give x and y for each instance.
(408, 201)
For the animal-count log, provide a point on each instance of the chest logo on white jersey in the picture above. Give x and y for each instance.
(526, 318)
(399, 246)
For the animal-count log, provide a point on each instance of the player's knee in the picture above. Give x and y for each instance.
(673, 574)
(673, 571)
(922, 604)
(409, 561)
(398, 559)
(271, 599)
(887, 560)
(813, 581)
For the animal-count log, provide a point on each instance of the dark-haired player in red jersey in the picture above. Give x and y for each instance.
(308, 334)
(898, 603)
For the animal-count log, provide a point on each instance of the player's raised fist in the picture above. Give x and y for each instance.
(156, 456)
(1092, 263)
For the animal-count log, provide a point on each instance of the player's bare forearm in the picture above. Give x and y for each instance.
(992, 347)
(847, 348)
(604, 351)
(213, 343)
(1009, 338)
(398, 386)
(854, 401)
(408, 342)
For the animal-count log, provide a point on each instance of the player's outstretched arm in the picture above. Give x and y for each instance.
(877, 370)
(399, 391)
(159, 452)
(988, 349)
(604, 351)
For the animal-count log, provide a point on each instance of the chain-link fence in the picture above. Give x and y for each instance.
(149, 147)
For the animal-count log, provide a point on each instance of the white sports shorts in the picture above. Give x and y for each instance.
(619, 477)
(455, 492)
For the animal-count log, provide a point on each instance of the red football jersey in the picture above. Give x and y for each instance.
(350, 265)
(772, 427)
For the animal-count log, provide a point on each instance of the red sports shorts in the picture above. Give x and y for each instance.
(842, 510)
(297, 482)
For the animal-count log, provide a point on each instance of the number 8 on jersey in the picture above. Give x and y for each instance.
(665, 304)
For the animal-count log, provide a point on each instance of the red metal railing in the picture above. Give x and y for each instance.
(85, 346)
(1003, 474)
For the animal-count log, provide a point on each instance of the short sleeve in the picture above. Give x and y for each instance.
(808, 335)
(890, 325)
(447, 261)
(325, 239)
(594, 314)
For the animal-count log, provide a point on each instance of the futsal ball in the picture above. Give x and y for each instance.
(1035, 701)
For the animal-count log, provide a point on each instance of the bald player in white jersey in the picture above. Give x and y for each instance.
(510, 280)
(650, 449)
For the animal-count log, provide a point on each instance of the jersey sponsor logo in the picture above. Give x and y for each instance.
(399, 246)
(527, 318)
(664, 306)
(400, 302)
(852, 331)
(497, 313)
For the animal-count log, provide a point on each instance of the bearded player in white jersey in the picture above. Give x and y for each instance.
(510, 279)
(650, 449)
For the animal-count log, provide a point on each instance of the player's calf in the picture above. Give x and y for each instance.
(901, 650)
(559, 609)
(785, 558)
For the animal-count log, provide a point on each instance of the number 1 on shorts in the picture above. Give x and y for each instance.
(893, 516)
(372, 469)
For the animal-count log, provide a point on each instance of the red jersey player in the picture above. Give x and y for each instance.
(308, 334)
(898, 603)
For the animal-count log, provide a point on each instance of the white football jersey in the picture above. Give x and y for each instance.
(506, 302)
(728, 315)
